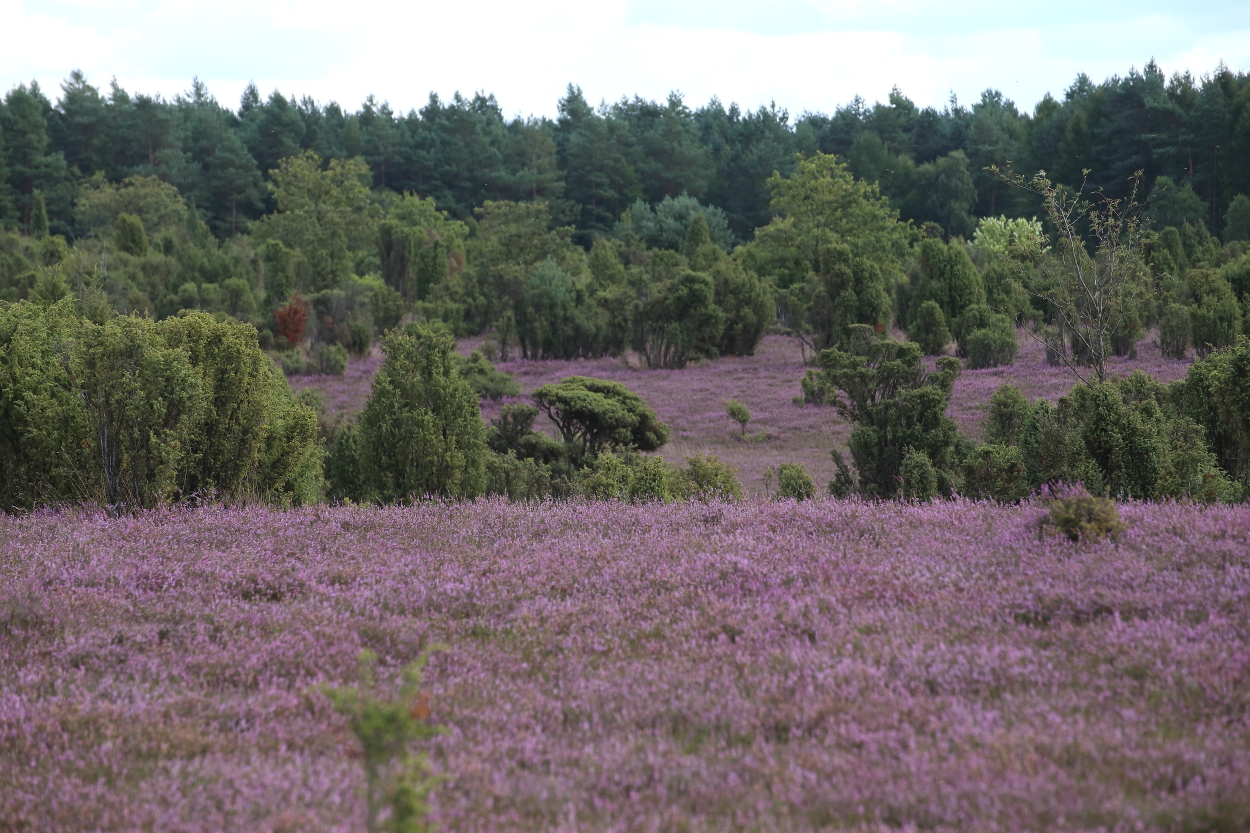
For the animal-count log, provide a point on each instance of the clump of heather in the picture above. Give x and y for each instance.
(705, 666)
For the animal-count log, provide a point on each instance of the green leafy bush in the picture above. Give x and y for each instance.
(596, 414)
(793, 482)
(1007, 413)
(709, 478)
(1080, 516)
(929, 329)
(518, 478)
(630, 477)
(995, 472)
(421, 430)
(918, 477)
(482, 376)
(992, 346)
(1174, 331)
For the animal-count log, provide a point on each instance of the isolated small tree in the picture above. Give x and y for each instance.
(1092, 291)
(597, 415)
(397, 781)
(738, 413)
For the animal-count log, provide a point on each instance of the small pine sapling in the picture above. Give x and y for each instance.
(396, 780)
(738, 413)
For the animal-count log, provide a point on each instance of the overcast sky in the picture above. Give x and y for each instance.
(802, 54)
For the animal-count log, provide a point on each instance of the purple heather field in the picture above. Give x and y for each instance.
(761, 666)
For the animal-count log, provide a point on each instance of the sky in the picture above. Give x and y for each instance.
(804, 55)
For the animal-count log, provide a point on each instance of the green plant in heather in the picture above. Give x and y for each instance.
(398, 782)
(421, 429)
(489, 382)
(518, 478)
(992, 346)
(1007, 413)
(793, 482)
(1082, 517)
(631, 477)
(738, 413)
(929, 328)
(948, 277)
(709, 478)
(1174, 331)
(995, 472)
(917, 478)
(896, 405)
(596, 415)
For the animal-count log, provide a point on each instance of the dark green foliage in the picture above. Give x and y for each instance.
(1173, 205)
(678, 321)
(929, 330)
(1082, 517)
(1008, 412)
(129, 236)
(345, 473)
(598, 415)
(849, 291)
(134, 413)
(794, 483)
(667, 225)
(38, 216)
(1174, 331)
(1237, 219)
(746, 301)
(488, 382)
(896, 405)
(1215, 316)
(421, 430)
(518, 478)
(917, 478)
(1216, 395)
(995, 472)
(992, 346)
(947, 276)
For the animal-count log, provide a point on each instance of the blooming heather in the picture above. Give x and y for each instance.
(753, 666)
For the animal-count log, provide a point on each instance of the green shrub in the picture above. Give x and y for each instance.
(794, 482)
(1174, 331)
(345, 473)
(738, 413)
(995, 472)
(1007, 413)
(1081, 516)
(709, 478)
(482, 376)
(630, 477)
(918, 477)
(518, 478)
(421, 429)
(326, 360)
(975, 317)
(929, 329)
(993, 346)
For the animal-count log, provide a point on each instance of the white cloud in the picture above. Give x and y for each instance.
(527, 53)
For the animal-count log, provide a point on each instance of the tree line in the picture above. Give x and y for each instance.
(592, 163)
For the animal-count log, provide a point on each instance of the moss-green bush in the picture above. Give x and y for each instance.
(793, 482)
(1080, 516)
(919, 478)
(995, 472)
